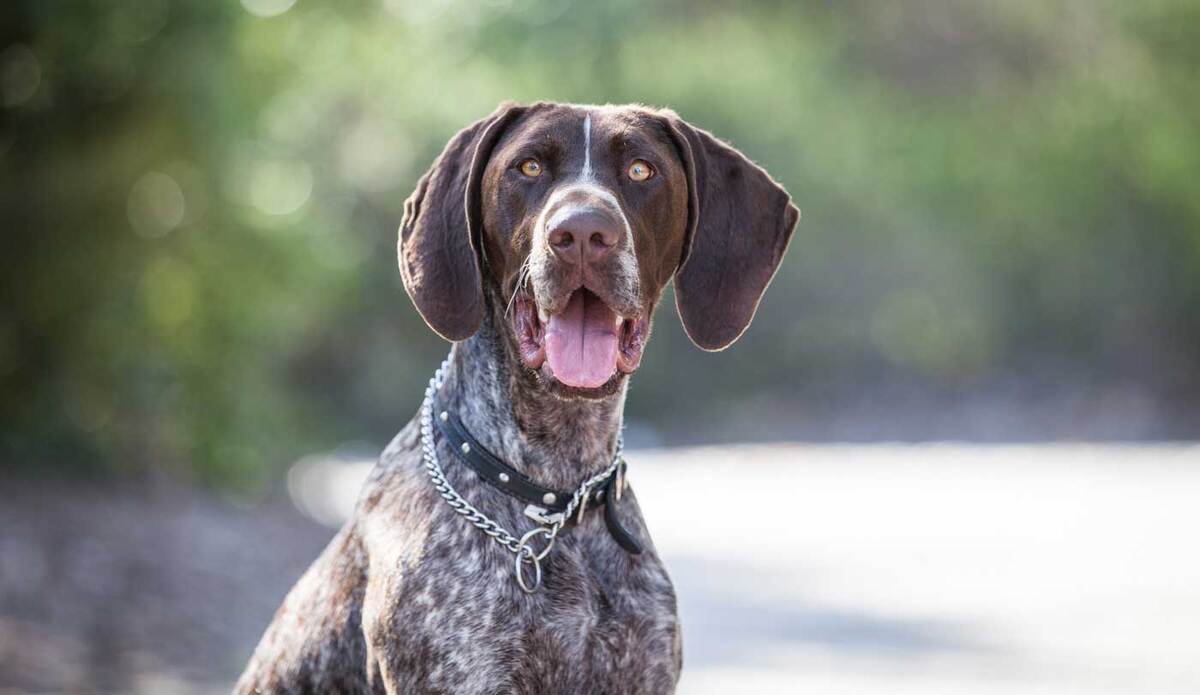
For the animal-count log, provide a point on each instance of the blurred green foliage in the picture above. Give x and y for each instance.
(200, 201)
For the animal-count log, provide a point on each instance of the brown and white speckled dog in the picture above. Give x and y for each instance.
(540, 241)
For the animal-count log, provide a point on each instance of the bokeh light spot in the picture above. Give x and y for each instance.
(267, 8)
(155, 205)
(20, 74)
(289, 117)
(374, 157)
(280, 186)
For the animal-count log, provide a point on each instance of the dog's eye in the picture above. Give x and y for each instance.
(640, 170)
(531, 168)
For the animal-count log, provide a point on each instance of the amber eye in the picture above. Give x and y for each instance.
(531, 168)
(640, 170)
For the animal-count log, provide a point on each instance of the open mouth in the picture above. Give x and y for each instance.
(584, 345)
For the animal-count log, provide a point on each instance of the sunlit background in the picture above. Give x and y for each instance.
(1000, 245)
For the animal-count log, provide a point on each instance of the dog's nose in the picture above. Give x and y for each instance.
(585, 236)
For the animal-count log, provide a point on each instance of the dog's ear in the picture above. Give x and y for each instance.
(739, 224)
(441, 233)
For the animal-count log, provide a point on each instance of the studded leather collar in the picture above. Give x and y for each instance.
(541, 500)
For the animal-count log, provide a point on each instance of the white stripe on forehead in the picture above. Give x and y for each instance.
(586, 183)
(586, 174)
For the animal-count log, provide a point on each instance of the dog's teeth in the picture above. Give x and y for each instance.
(542, 315)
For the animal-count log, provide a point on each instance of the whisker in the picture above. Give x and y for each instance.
(522, 279)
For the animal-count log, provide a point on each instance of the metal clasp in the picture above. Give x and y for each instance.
(543, 516)
(527, 555)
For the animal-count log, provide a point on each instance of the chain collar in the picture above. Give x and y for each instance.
(528, 558)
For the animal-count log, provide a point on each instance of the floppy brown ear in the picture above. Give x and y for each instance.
(440, 234)
(739, 224)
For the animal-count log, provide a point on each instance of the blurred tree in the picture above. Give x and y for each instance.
(200, 200)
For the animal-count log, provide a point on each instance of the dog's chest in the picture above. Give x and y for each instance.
(603, 621)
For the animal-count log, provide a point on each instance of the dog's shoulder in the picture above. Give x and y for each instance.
(314, 643)
(393, 505)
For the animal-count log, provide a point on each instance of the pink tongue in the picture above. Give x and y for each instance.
(581, 342)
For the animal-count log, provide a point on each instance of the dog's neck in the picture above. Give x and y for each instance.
(557, 443)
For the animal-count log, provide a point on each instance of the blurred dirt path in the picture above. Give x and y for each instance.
(824, 569)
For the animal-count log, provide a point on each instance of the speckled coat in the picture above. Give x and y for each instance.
(411, 598)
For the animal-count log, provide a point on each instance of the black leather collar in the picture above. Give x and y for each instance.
(495, 472)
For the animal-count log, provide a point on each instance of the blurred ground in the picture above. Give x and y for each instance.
(127, 590)
(827, 569)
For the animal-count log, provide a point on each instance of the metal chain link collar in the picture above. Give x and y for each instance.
(550, 524)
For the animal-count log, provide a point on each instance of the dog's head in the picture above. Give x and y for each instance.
(566, 222)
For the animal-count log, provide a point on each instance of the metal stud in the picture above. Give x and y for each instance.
(444, 416)
(549, 498)
(504, 477)
(466, 448)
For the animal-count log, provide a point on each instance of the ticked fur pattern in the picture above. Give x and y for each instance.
(411, 598)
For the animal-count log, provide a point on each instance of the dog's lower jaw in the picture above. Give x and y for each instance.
(557, 389)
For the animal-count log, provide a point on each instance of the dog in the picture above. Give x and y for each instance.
(539, 243)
